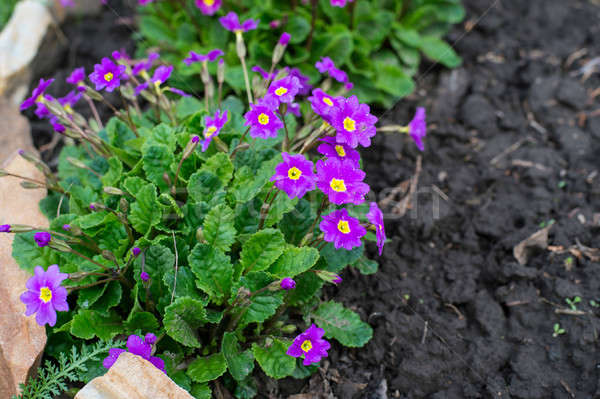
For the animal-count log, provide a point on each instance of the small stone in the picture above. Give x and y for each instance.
(572, 93)
(132, 377)
(22, 340)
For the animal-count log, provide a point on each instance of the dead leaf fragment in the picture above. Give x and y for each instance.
(536, 241)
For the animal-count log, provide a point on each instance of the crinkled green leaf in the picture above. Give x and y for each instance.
(338, 259)
(182, 320)
(240, 363)
(143, 322)
(209, 368)
(146, 210)
(218, 228)
(219, 165)
(273, 359)
(157, 161)
(213, 271)
(115, 171)
(28, 255)
(203, 186)
(280, 206)
(261, 250)
(88, 324)
(294, 261)
(342, 324)
(366, 266)
(307, 285)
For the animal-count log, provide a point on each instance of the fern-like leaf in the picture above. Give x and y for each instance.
(52, 380)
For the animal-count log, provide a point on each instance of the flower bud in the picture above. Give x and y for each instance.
(240, 47)
(93, 94)
(221, 71)
(328, 276)
(19, 228)
(200, 235)
(123, 205)
(288, 329)
(108, 255)
(135, 251)
(113, 191)
(144, 276)
(5, 228)
(287, 284)
(30, 185)
(59, 245)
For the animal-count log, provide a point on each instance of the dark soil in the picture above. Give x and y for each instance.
(454, 314)
(513, 143)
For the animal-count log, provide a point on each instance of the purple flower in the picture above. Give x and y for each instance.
(331, 149)
(144, 276)
(77, 77)
(322, 103)
(262, 120)
(310, 344)
(305, 87)
(294, 108)
(5, 228)
(56, 125)
(195, 139)
(326, 65)
(45, 295)
(353, 123)
(284, 39)
(294, 175)
(120, 54)
(180, 92)
(231, 22)
(161, 74)
(340, 3)
(144, 2)
(284, 90)
(274, 24)
(341, 182)
(375, 216)
(417, 128)
(210, 56)
(342, 230)
(69, 101)
(40, 107)
(287, 284)
(145, 64)
(337, 279)
(36, 94)
(208, 7)
(213, 127)
(42, 238)
(107, 75)
(265, 75)
(137, 346)
(135, 251)
(66, 227)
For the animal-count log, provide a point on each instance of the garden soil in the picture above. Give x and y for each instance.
(513, 146)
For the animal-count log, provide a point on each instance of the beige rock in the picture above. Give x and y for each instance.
(15, 132)
(132, 377)
(21, 339)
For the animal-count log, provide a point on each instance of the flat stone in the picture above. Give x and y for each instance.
(15, 132)
(22, 340)
(132, 377)
(19, 44)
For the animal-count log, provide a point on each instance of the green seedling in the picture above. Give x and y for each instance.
(558, 330)
(573, 302)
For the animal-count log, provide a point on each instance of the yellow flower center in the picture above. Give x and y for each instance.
(281, 91)
(157, 84)
(337, 185)
(306, 345)
(45, 294)
(340, 150)
(210, 131)
(209, 2)
(68, 108)
(109, 76)
(40, 99)
(343, 227)
(263, 119)
(349, 124)
(294, 173)
(328, 101)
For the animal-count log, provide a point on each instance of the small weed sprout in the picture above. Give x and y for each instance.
(573, 302)
(558, 330)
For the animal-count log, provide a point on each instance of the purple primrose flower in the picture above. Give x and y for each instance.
(197, 57)
(42, 238)
(145, 65)
(137, 346)
(353, 123)
(213, 127)
(180, 92)
(77, 77)
(331, 149)
(45, 295)
(342, 230)
(340, 3)
(135, 251)
(37, 94)
(107, 75)
(284, 90)
(417, 128)
(284, 39)
(326, 65)
(310, 344)
(305, 87)
(265, 75)
(323, 104)
(231, 22)
(294, 175)
(341, 181)
(208, 7)
(375, 216)
(144, 276)
(5, 228)
(262, 120)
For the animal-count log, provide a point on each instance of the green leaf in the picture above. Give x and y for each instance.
(143, 322)
(146, 210)
(342, 324)
(263, 305)
(295, 224)
(219, 165)
(366, 266)
(109, 299)
(307, 285)
(209, 368)
(201, 391)
(203, 186)
(29, 255)
(298, 27)
(248, 183)
(213, 271)
(219, 230)
(338, 259)
(262, 249)
(115, 171)
(410, 37)
(295, 261)
(158, 261)
(240, 364)
(392, 79)
(375, 26)
(185, 282)
(336, 43)
(182, 320)
(438, 50)
(133, 185)
(273, 359)
(88, 324)
(280, 206)
(157, 161)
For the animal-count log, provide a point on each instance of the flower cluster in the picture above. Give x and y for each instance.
(138, 346)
